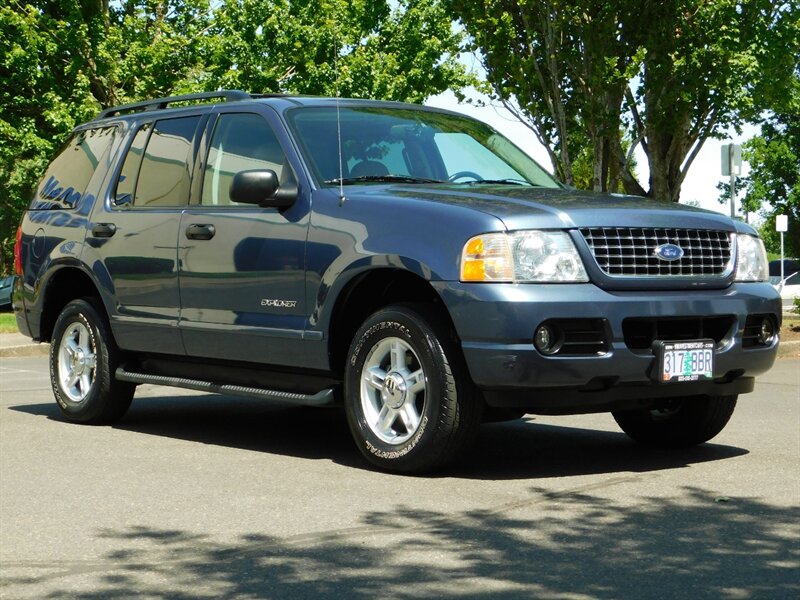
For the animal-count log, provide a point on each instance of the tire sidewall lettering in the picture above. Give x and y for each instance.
(356, 356)
(421, 344)
(79, 317)
(395, 454)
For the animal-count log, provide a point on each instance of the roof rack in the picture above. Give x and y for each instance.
(162, 103)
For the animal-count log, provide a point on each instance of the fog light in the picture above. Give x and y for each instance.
(545, 339)
(767, 332)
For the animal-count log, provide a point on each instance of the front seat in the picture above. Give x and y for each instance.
(367, 168)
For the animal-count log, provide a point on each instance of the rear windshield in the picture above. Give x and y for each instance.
(64, 183)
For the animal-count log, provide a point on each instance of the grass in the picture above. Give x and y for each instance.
(790, 332)
(8, 323)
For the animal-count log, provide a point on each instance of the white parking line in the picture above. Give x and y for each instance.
(4, 369)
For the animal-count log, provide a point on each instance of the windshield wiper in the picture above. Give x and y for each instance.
(500, 182)
(380, 179)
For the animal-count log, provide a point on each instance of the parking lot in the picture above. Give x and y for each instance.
(201, 496)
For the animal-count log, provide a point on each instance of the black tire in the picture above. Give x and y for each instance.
(681, 422)
(423, 411)
(83, 360)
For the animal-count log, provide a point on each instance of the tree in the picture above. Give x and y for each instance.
(561, 70)
(773, 185)
(355, 48)
(61, 61)
(672, 72)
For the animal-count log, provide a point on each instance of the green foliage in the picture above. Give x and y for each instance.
(772, 186)
(8, 322)
(774, 179)
(401, 53)
(562, 67)
(674, 73)
(61, 61)
(583, 172)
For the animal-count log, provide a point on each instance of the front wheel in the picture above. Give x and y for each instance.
(409, 401)
(83, 358)
(679, 422)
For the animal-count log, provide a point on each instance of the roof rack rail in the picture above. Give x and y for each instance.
(162, 103)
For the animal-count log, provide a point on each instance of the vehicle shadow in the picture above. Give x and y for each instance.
(521, 449)
(525, 448)
(569, 545)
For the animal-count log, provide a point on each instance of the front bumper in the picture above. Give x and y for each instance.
(496, 323)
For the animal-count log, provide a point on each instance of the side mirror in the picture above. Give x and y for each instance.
(263, 188)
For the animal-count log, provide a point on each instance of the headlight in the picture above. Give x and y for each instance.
(751, 259)
(522, 256)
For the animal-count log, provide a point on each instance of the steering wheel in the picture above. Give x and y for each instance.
(460, 174)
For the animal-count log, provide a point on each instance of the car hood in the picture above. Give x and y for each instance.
(521, 207)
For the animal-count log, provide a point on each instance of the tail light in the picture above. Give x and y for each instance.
(18, 253)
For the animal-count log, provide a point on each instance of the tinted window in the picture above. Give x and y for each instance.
(390, 154)
(65, 181)
(241, 142)
(164, 177)
(427, 144)
(126, 184)
(464, 155)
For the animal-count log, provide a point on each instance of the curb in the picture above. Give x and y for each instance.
(789, 350)
(25, 350)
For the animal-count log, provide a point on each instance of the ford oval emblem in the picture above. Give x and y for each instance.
(668, 252)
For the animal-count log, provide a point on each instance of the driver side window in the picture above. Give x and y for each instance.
(241, 142)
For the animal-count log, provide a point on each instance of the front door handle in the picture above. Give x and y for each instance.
(103, 230)
(196, 231)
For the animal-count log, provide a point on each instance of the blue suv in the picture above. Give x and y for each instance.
(409, 263)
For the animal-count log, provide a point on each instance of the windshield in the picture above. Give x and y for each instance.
(384, 144)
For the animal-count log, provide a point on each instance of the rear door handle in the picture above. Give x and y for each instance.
(200, 232)
(104, 230)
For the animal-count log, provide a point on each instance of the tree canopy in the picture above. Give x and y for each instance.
(592, 79)
(672, 72)
(772, 186)
(61, 61)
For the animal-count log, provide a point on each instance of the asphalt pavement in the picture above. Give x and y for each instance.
(203, 496)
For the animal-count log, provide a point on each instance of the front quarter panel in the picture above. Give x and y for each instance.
(369, 231)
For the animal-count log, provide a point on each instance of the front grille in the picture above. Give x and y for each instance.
(630, 251)
(640, 333)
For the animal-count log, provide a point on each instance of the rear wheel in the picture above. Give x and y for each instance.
(679, 422)
(83, 359)
(409, 401)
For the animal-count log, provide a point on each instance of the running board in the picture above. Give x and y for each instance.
(322, 398)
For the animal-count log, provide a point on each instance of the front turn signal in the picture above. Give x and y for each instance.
(487, 257)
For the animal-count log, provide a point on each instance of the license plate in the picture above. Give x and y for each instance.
(685, 361)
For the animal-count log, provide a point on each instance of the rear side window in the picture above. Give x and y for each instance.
(64, 183)
(126, 184)
(156, 170)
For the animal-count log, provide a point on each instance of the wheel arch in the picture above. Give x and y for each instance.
(369, 292)
(64, 285)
